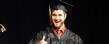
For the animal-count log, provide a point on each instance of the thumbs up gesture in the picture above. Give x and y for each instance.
(42, 41)
(2, 28)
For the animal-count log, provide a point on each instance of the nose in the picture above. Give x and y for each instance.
(57, 17)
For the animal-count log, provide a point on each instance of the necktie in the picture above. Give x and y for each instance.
(59, 34)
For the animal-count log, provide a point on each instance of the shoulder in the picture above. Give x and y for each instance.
(75, 37)
(72, 34)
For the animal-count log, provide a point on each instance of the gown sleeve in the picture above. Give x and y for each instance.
(37, 38)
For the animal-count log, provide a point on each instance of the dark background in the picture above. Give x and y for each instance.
(24, 18)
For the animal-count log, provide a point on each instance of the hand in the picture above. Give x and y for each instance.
(2, 28)
(42, 41)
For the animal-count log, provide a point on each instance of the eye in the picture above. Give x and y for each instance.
(53, 14)
(60, 14)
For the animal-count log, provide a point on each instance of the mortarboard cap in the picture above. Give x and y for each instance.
(68, 7)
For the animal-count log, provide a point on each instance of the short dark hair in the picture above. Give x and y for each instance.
(59, 7)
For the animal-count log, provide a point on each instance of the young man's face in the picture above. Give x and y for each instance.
(58, 17)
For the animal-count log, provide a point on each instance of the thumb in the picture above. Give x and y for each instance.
(2, 28)
(43, 38)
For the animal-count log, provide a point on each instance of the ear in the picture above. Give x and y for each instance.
(65, 15)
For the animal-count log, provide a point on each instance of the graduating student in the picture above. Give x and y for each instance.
(57, 32)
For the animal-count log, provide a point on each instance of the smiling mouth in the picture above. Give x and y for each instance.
(57, 21)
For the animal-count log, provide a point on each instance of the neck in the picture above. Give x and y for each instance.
(62, 27)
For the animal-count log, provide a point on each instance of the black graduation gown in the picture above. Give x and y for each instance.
(68, 37)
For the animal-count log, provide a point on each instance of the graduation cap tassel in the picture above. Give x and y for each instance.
(50, 14)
